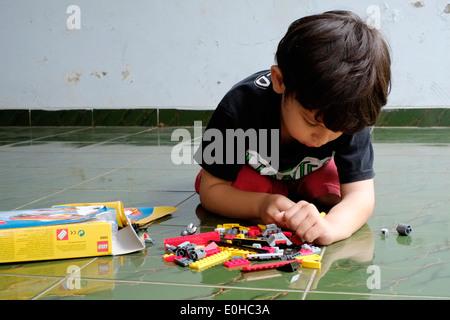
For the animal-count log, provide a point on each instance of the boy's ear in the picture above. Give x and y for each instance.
(277, 79)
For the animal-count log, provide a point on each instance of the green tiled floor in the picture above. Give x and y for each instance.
(43, 166)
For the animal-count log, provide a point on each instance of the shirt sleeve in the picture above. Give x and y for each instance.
(354, 159)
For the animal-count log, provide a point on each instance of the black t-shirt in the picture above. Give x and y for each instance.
(244, 129)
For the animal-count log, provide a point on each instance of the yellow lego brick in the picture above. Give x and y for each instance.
(310, 257)
(236, 252)
(240, 236)
(262, 227)
(210, 261)
(311, 264)
(230, 225)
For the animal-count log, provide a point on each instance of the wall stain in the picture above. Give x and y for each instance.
(99, 74)
(418, 4)
(126, 73)
(447, 8)
(74, 77)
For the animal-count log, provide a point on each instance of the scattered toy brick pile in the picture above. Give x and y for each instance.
(237, 246)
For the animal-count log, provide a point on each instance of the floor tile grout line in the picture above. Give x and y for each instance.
(88, 180)
(123, 136)
(65, 278)
(62, 280)
(388, 295)
(311, 279)
(37, 139)
(243, 288)
(77, 130)
(191, 285)
(113, 170)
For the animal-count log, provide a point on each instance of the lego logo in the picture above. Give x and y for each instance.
(62, 234)
(102, 246)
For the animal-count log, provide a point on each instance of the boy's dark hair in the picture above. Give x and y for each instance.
(334, 63)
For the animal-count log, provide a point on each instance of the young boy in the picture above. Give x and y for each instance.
(331, 79)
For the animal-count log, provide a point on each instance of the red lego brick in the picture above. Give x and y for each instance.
(212, 252)
(306, 252)
(272, 265)
(254, 231)
(171, 258)
(198, 239)
(211, 246)
(236, 263)
(295, 239)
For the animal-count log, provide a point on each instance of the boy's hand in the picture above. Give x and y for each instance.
(273, 208)
(304, 218)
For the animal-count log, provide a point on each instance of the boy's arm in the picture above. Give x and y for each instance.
(341, 222)
(219, 196)
(355, 208)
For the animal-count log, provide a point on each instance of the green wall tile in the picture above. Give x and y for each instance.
(61, 118)
(125, 117)
(14, 117)
(425, 117)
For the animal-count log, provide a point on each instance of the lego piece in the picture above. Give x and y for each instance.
(305, 252)
(189, 230)
(184, 262)
(170, 257)
(184, 248)
(311, 264)
(270, 249)
(254, 231)
(235, 244)
(311, 257)
(278, 238)
(250, 242)
(199, 239)
(264, 256)
(236, 251)
(315, 250)
(197, 254)
(403, 229)
(147, 238)
(264, 266)
(290, 267)
(210, 261)
(270, 229)
(211, 246)
(212, 252)
(236, 263)
(230, 233)
(290, 256)
(384, 231)
(170, 249)
(229, 225)
(295, 239)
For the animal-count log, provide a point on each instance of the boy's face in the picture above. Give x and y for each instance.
(300, 124)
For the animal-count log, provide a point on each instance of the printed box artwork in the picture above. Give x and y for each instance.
(73, 231)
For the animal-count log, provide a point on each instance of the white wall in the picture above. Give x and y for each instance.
(188, 53)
